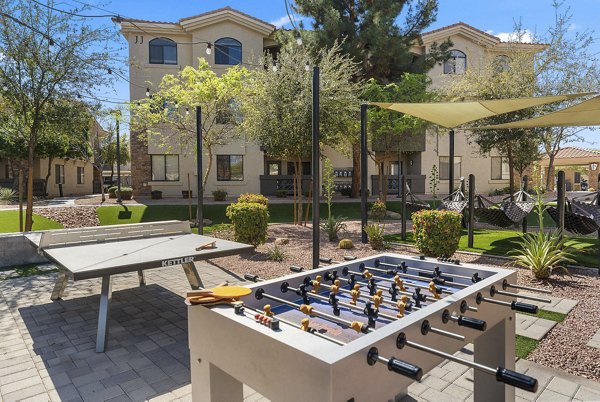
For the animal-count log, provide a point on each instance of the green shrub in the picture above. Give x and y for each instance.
(542, 253)
(126, 193)
(276, 253)
(375, 234)
(112, 192)
(281, 193)
(437, 233)
(378, 210)
(250, 221)
(332, 226)
(156, 194)
(257, 198)
(346, 244)
(6, 194)
(219, 195)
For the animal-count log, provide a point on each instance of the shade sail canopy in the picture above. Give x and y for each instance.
(454, 114)
(586, 113)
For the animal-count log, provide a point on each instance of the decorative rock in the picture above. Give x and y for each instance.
(280, 241)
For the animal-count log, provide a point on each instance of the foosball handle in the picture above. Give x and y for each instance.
(471, 322)
(349, 258)
(524, 307)
(404, 368)
(251, 277)
(517, 380)
(295, 268)
(325, 260)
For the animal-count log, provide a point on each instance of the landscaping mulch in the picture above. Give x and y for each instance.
(71, 217)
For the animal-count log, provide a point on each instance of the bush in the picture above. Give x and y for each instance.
(332, 226)
(276, 253)
(156, 194)
(378, 210)
(219, 195)
(542, 253)
(437, 233)
(281, 193)
(126, 193)
(375, 233)
(257, 198)
(346, 191)
(6, 194)
(346, 244)
(112, 192)
(250, 221)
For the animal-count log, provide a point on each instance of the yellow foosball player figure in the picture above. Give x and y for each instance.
(355, 293)
(305, 324)
(367, 274)
(267, 310)
(377, 299)
(399, 283)
(435, 292)
(401, 304)
(316, 284)
(335, 287)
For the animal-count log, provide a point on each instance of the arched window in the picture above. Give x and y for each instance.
(228, 51)
(163, 51)
(457, 63)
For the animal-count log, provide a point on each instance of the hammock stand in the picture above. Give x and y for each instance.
(414, 203)
(505, 213)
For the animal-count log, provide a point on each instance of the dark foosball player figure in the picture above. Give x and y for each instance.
(418, 297)
(393, 291)
(371, 314)
(372, 286)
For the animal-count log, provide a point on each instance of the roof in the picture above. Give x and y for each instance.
(575, 152)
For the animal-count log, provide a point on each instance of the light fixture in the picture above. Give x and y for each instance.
(147, 92)
(208, 48)
(118, 21)
(274, 65)
(298, 38)
(307, 66)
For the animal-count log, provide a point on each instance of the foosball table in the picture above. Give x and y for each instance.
(360, 330)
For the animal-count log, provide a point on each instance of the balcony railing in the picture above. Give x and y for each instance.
(416, 183)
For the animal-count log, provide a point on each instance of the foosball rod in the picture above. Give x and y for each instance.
(402, 266)
(346, 271)
(309, 310)
(332, 261)
(514, 305)
(505, 285)
(506, 376)
(494, 291)
(287, 287)
(252, 277)
(401, 273)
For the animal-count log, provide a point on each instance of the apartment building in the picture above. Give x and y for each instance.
(159, 48)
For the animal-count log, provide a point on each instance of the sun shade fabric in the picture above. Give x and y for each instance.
(586, 113)
(454, 114)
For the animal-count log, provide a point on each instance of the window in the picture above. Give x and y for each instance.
(228, 51)
(500, 169)
(274, 168)
(394, 168)
(165, 167)
(577, 177)
(457, 63)
(59, 174)
(445, 165)
(230, 167)
(80, 175)
(163, 51)
(291, 168)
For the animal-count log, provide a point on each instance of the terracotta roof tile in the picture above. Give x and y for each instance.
(574, 152)
(460, 23)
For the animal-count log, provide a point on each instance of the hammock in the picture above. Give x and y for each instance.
(414, 203)
(578, 218)
(456, 202)
(505, 213)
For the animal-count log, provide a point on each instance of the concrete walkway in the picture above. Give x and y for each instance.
(47, 348)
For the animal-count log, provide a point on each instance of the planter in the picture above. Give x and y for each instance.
(187, 194)
(156, 195)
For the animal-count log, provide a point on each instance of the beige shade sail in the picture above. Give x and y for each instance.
(586, 113)
(454, 114)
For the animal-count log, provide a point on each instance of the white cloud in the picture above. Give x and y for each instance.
(573, 27)
(527, 36)
(285, 20)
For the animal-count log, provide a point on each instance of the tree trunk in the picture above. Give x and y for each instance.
(299, 185)
(112, 172)
(511, 179)
(550, 175)
(50, 159)
(355, 190)
(21, 197)
(294, 186)
(209, 167)
(29, 210)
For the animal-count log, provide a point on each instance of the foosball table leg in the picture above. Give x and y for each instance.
(496, 346)
(192, 275)
(141, 278)
(212, 384)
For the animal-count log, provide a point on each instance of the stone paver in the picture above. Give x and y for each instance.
(595, 341)
(556, 304)
(533, 327)
(47, 351)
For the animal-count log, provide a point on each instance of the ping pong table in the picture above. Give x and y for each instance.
(103, 251)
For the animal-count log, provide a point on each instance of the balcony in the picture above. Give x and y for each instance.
(416, 182)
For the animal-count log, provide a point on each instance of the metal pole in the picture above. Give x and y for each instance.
(363, 171)
(560, 206)
(598, 203)
(398, 174)
(199, 207)
(451, 164)
(118, 161)
(316, 155)
(525, 183)
(471, 225)
(403, 191)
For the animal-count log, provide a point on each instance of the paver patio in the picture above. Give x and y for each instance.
(47, 348)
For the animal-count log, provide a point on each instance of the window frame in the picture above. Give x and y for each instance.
(503, 162)
(162, 46)
(219, 51)
(449, 66)
(152, 156)
(229, 156)
(456, 174)
(576, 176)
(268, 168)
(59, 174)
(80, 175)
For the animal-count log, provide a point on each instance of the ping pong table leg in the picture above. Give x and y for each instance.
(192, 275)
(59, 286)
(141, 278)
(103, 314)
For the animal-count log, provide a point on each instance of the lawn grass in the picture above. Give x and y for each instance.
(524, 346)
(502, 242)
(9, 222)
(548, 315)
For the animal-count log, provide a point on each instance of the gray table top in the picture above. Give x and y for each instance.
(109, 258)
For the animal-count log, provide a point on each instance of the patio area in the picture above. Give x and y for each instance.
(48, 353)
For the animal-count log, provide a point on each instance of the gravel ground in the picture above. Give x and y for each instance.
(71, 217)
(97, 200)
(563, 348)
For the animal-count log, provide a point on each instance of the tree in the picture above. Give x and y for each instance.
(568, 65)
(372, 37)
(169, 119)
(277, 105)
(388, 129)
(46, 56)
(108, 151)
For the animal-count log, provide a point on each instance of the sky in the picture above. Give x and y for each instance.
(496, 17)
